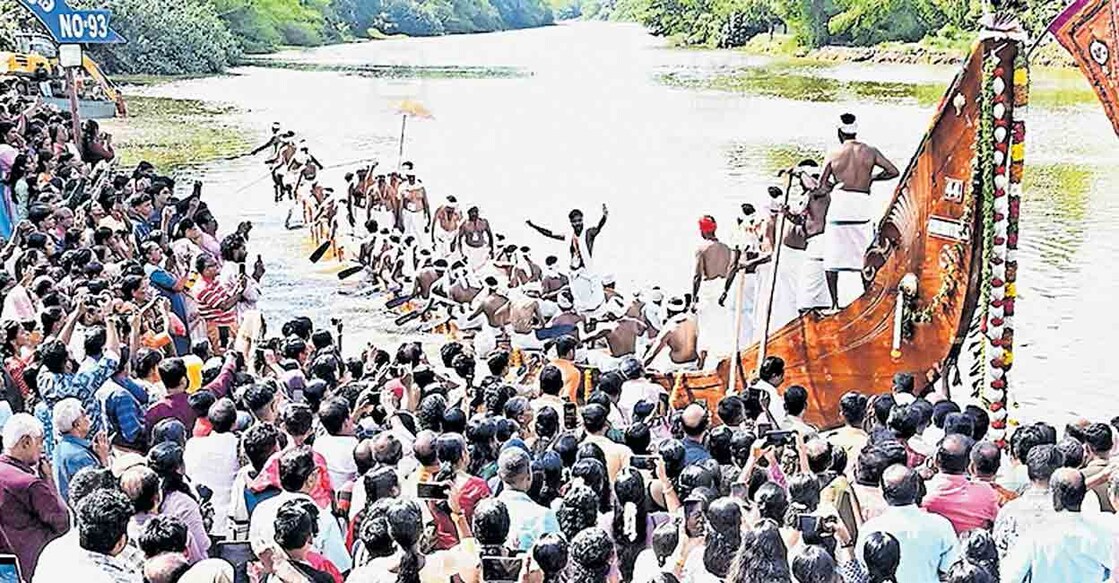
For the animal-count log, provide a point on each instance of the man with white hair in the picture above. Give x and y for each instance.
(31, 511)
(74, 450)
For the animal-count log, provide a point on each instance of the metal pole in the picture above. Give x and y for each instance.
(778, 242)
(400, 153)
(75, 123)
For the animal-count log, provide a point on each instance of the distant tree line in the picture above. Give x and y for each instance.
(205, 36)
(814, 23)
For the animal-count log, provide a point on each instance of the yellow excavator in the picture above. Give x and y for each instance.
(34, 66)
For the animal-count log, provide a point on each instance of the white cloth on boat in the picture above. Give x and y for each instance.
(581, 258)
(527, 341)
(784, 308)
(749, 298)
(812, 289)
(848, 231)
(715, 323)
(602, 360)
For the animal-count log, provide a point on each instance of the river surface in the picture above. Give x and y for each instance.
(587, 119)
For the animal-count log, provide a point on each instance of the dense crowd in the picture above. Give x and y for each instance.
(154, 429)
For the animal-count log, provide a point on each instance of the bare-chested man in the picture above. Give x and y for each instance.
(848, 174)
(444, 227)
(712, 265)
(525, 317)
(679, 336)
(415, 213)
(524, 269)
(382, 203)
(567, 315)
(475, 240)
(495, 307)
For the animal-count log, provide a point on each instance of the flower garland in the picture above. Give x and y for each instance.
(1005, 117)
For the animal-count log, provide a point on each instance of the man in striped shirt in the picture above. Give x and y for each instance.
(217, 303)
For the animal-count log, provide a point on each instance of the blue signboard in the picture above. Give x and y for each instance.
(70, 26)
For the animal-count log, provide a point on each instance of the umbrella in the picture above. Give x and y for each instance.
(406, 108)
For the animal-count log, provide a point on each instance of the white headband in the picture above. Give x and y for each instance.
(849, 128)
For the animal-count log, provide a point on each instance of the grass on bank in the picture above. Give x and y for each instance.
(175, 133)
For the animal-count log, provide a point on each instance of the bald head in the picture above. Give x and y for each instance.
(952, 456)
(165, 568)
(1068, 489)
(387, 449)
(694, 420)
(424, 448)
(900, 485)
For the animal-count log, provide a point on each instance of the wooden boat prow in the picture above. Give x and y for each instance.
(933, 229)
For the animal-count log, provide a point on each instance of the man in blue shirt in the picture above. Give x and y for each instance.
(694, 422)
(74, 451)
(528, 520)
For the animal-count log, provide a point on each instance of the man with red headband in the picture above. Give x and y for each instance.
(712, 265)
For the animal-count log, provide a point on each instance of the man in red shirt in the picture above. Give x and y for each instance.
(217, 304)
(173, 374)
(966, 504)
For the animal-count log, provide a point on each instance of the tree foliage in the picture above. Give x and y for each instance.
(186, 36)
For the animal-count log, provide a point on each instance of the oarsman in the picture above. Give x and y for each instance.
(273, 142)
(848, 175)
(524, 269)
(585, 285)
(552, 280)
(525, 317)
(679, 336)
(382, 203)
(283, 180)
(428, 285)
(415, 213)
(495, 307)
(567, 315)
(464, 289)
(712, 268)
(747, 242)
(371, 246)
(444, 227)
(783, 308)
(812, 289)
(621, 337)
(475, 240)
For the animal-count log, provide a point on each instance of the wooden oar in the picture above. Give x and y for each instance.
(320, 251)
(398, 301)
(402, 320)
(347, 272)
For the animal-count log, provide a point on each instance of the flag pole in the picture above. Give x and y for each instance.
(400, 152)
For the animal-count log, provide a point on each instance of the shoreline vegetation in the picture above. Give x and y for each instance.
(174, 133)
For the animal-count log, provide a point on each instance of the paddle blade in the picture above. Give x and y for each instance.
(398, 301)
(402, 320)
(319, 252)
(345, 273)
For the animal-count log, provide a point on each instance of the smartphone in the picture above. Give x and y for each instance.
(241, 268)
(432, 491)
(764, 428)
(502, 569)
(694, 524)
(662, 410)
(643, 462)
(808, 524)
(223, 336)
(570, 418)
(756, 394)
(258, 359)
(780, 437)
(9, 569)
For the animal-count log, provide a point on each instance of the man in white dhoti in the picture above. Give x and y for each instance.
(712, 267)
(415, 212)
(783, 307)
(812, 288)
(475, 240)
(848, 175)
(444, 227)
(746, 242)
(585, 286)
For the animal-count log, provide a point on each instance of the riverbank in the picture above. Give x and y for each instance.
(925, 52)
(176, 133)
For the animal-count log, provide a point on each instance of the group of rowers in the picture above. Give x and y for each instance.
(452, 268)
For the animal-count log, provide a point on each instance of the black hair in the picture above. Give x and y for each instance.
(1097, 437)
(772, 367)
(718, 444)
(491, 522)
(672, 451)
(88, 480)
(979, 549)
(547, 423)
(731, 410)
(637, 438)
(796, 400)
(980, 421)
(568, 449)
(103, 518)
(166, 460)
(294, 525)
(772, 502)
(985, 458)
(630, 524)
(903, 421)
(591, 551)
(941, 411)
(882, 405)
(297, 418)
(333, 414)
(578, 510)
(454, 420)
(594, 418)
(814, 565)
(172, 372)
(259, 442)
(222, 415)
(959, 423)
(1042, 461)
(163, 533)
(431, 411)
(967, 572)
(881, 555)
(296, 466)
(1072, 453)
(550, 554)
(1069, 489)
(380, 483)
(593, 472)
(724, 535)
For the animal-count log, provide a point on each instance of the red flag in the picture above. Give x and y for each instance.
(1089, 29)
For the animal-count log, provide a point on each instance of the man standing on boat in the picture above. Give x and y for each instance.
(712, 266)
(475, 240)
(584, 283)
(444, 227)
(415, 212)
(848, 175)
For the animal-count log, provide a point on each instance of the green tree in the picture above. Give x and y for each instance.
(869, 22)
(167, 38)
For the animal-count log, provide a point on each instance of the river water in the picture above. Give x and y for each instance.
(588, 120)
